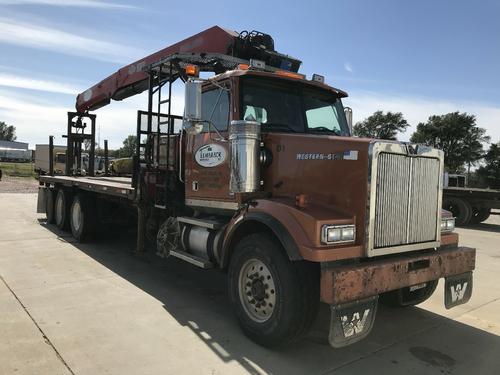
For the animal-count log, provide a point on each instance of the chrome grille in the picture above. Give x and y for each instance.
(407, 200)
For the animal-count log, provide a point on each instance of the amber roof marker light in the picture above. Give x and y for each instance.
(192, 70)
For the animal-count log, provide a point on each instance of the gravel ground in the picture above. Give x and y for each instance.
(22, 185)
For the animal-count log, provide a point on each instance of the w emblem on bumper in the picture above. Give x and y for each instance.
(458, 292)
(355, 325)
(350, 322)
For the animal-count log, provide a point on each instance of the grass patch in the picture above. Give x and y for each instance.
(18, 169)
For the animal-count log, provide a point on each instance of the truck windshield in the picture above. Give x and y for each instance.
(291, 107)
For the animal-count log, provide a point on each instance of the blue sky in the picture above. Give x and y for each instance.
(420, 57)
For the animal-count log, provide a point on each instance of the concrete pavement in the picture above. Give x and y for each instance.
(96, 309)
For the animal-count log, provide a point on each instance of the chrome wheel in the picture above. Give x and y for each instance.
(76, 215)
(257, 290)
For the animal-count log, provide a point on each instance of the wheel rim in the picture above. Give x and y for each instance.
(257, 290)
(59, 209)
(76, 216)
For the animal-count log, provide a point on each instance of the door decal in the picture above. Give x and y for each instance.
(210, 155)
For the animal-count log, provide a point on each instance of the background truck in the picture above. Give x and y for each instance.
(42, 159)
(261, 178)
(469, 205)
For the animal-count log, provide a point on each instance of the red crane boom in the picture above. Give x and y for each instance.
(133, 79)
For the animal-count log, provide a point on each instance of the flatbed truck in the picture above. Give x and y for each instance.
(261, 178)
(469, 205)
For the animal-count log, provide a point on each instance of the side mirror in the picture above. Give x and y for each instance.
(348, 116)
(192, 106)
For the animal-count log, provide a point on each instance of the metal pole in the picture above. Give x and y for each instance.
(141, 230)
(92, 148)
(106, 158)
(51, 155)
(70, 158)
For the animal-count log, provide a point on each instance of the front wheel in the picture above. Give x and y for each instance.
(460, 208)
(275, 300)
(479, 215)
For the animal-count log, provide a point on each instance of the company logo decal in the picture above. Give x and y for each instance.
(346, 155)
(210, 155)
(355, 325)
(458, 292)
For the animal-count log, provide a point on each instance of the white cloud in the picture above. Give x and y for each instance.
(25, 82)
(41, 37)
(35, 120)
(348, 67)
(70, 3)
(418, 109)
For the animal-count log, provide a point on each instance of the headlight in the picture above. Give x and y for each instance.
(447, 224)
(337, 233)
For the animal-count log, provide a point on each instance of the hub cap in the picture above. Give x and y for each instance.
(76, 216)
(257, 290)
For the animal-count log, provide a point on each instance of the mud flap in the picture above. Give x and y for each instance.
(352, 321)
(457, 289)
(42, 200)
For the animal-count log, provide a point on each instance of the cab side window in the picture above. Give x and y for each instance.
(215, 108)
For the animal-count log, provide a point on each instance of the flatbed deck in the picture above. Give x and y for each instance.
(116, 186)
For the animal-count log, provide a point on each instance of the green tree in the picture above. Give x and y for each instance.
(381, 125)
(129, 146)
(457, 135)
(490, 172)
(7, 133)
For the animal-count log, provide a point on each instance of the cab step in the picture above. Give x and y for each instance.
(193, 259)
(205, 223)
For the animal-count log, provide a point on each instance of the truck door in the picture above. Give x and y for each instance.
(207, 154)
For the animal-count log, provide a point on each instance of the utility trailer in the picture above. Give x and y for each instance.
(261, 178)
(470, 205)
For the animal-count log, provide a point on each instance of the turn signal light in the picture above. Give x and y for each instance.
(192, 70)
(243, 66)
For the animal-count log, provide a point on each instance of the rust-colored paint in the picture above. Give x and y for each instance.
(334, 186)
(341, 284)
(449, 239)
(303, 225)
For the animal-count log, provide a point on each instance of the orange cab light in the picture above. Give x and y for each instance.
(243, 66)
(302, 200)
(192, 70)
(290, 74)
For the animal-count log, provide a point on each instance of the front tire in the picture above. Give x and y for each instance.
(479, 215)
(461, 209)
(274, 299)
(82, 219)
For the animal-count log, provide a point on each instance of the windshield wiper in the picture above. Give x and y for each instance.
(279, 125)
(322, 129)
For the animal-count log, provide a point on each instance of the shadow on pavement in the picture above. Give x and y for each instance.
(487, 227)
(197, 299)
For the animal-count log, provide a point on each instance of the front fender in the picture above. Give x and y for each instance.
(296, 228)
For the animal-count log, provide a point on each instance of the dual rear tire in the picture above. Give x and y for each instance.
(464, 212)
(71, 212)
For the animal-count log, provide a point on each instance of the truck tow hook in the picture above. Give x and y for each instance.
(351, 322)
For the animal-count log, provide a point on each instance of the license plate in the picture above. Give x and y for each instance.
(352, 321)
(457, 289)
